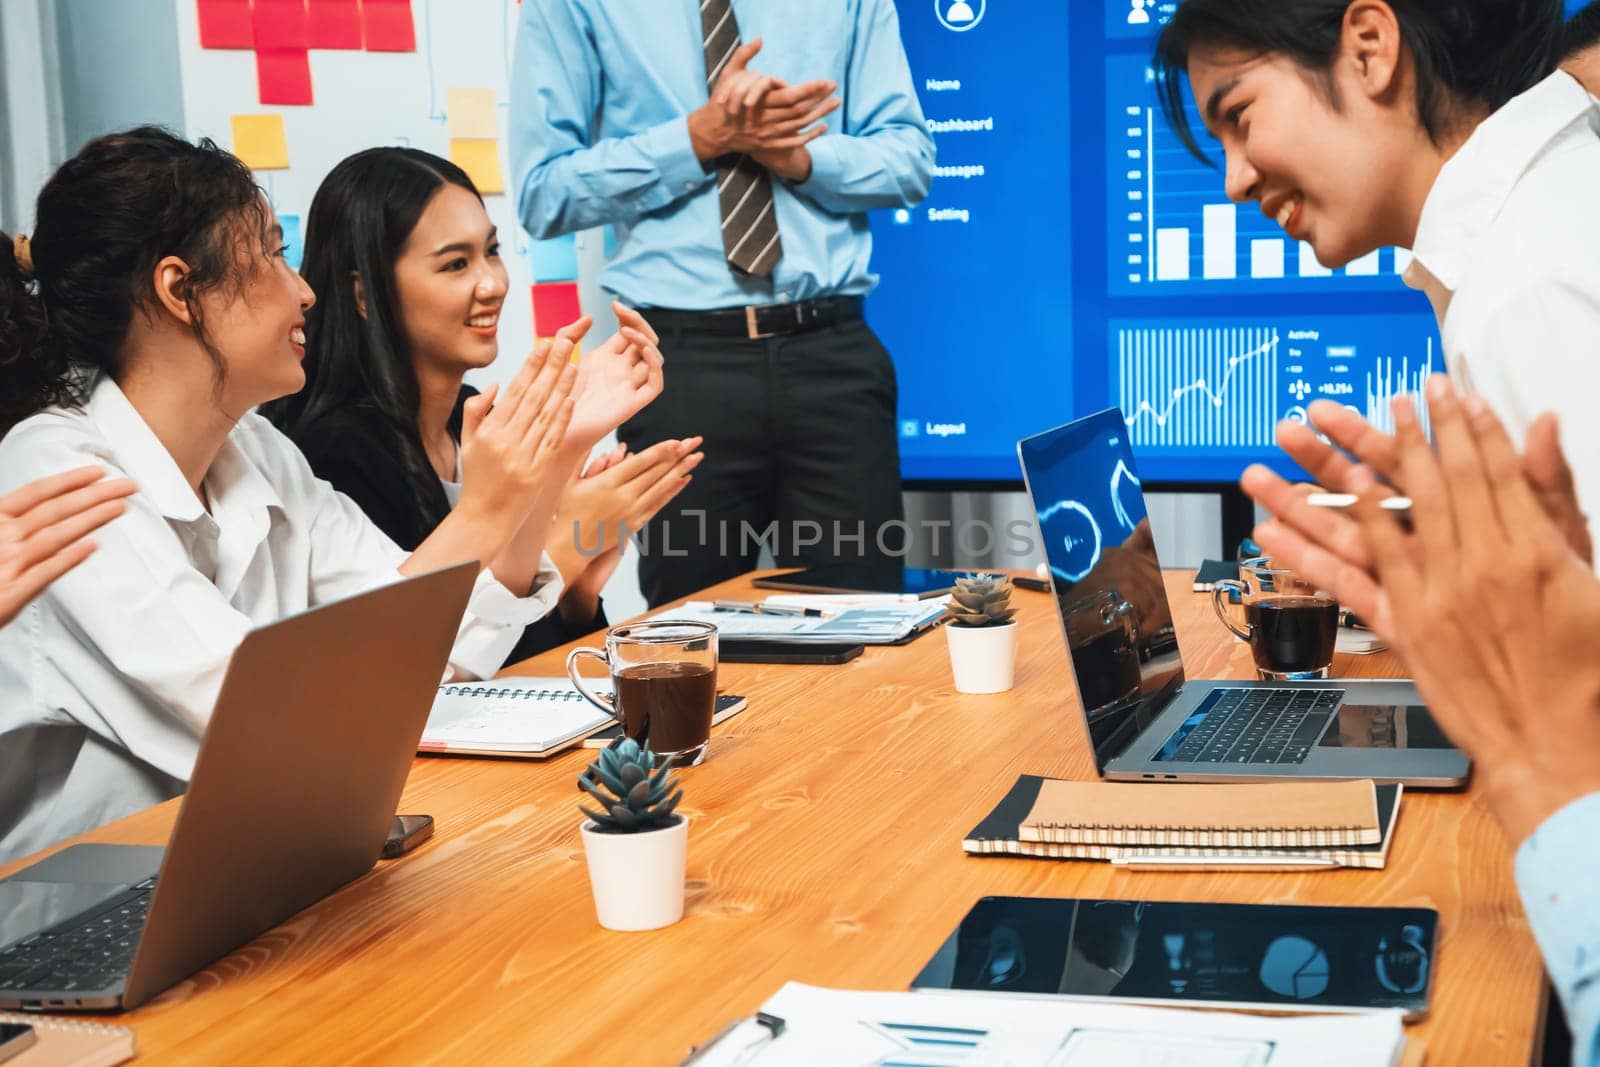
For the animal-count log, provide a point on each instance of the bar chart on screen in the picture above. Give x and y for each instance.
(1224, 386)
(1172, 228)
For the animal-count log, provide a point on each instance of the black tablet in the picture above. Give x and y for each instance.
(1257, 956)
(864, 578)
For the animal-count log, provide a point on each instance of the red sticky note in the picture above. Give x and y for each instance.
(280, 24)
(284, 75)
(334, 23)
(225, 24)
(388, 26)
(554, 305)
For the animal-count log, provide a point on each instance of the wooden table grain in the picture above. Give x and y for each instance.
(824, 847)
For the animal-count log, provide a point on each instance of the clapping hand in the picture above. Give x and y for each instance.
(510, 441)
(1490, 608)
(618, 492)
(761, 116)
(615, 380)
(45, 527)
(1327, 545)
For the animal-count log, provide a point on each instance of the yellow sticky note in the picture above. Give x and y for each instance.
(259, 141)
(470, 113)
(481, 160)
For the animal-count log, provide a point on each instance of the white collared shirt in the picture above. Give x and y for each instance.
(1508, 253)
(108, 679)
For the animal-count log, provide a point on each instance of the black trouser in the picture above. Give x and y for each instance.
(799, 431)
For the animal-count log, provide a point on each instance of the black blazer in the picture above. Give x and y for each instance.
(352, 448)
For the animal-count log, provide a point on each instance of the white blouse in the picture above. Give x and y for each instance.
(108, 679)
(1508, 252)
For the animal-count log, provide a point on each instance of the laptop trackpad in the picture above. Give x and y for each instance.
(1384, 726)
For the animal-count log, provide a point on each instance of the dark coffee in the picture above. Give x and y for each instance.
(669, 704)
(1293, 634)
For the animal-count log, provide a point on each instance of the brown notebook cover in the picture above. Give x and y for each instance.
(70, 1043)
(1176, 817)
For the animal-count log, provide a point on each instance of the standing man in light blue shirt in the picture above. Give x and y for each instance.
(735, 146)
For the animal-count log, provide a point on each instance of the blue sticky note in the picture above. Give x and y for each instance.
(291, 238)
(555, 260)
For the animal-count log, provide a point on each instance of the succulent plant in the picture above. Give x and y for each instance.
(981, 600)
(634, 794)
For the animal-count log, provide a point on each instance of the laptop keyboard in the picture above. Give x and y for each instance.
(87, 952)
(1253, 726)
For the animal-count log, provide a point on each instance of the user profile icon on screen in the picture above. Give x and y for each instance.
(959, 15)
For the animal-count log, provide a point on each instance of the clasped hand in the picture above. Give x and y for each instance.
(761, 116)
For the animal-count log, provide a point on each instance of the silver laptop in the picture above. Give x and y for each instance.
(292, 796)
(1145, 719)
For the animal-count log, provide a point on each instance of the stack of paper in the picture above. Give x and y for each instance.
(875, 623)
(844, 1028)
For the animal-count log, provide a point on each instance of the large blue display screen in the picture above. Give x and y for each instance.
(1074, 256)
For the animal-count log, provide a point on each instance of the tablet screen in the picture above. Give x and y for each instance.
(1273, 955)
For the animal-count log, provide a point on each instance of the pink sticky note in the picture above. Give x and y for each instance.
(225, 24)
(280, 24)
(334, 23)
(284, 75)
(388, 26)
(554, 305)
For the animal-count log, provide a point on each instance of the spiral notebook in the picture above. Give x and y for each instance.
(514, 718)
(1000, 834)
(70, 1043)
(1229, 815)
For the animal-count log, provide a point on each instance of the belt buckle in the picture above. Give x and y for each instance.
(752, 331)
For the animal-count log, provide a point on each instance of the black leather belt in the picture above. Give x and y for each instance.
(764, 320)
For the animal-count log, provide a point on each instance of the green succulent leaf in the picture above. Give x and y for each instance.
(595, 817)
(595, 791)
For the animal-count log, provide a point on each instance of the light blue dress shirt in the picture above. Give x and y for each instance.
(1558, 874)
(600, 95)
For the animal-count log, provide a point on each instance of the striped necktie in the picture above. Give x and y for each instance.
(744, 188)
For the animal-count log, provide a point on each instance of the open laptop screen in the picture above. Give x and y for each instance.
(1105, 575)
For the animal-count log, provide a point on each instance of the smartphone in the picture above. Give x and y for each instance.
(15, 1038)
(1038, 585)
(406, 833)
(737, 650)
(1250, 956)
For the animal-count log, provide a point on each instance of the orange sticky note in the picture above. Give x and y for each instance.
(259, 140)
(480, 158)
(470, 113)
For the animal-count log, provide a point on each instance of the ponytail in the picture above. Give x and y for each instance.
(105, 219)
(31, 377)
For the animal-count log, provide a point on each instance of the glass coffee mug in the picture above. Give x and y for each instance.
(1290, 624)
(664, 684)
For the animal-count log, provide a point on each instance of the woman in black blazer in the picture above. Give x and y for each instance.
(407, 266)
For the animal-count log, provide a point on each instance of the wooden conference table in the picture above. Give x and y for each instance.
(824, 847)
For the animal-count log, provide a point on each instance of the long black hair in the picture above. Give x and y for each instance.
(104, 220)
(360, 219)
(1481, 52)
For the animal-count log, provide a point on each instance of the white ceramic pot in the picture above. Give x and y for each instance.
(637, 879)
(982, 658)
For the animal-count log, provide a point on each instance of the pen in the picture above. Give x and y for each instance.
(767, 609)
(771, 1028)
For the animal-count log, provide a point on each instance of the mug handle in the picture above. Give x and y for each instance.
(607, 704)
(1226, 585)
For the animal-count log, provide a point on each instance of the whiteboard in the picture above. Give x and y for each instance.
(363, 99)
